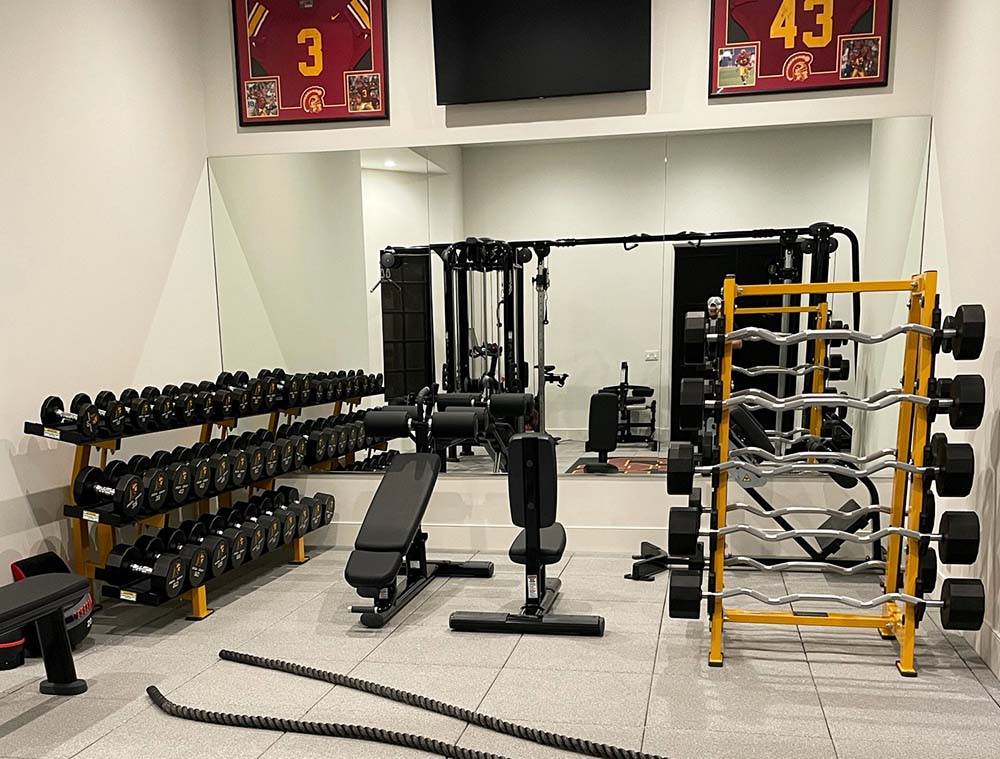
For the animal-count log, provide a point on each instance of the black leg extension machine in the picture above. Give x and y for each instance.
(531, 483)
(389, 562)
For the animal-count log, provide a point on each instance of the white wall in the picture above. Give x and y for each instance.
(395, 205)
(894, 238)
(962, 210)
(677, 101)
(106, 273)
(604, 303)
(290, 256)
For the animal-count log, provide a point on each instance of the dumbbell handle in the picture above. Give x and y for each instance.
(140, 569)
(105, 490)
(857, 603)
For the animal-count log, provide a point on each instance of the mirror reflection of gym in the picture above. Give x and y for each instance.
(605, 308)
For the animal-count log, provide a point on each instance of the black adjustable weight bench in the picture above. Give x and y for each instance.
(531, 485)
(41, 600)
(391, 545)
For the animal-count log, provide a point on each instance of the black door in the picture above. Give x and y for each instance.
(698, 275)
(407, 332)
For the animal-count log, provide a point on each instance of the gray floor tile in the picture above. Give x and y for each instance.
(489, 741)
(429, 645)
(502, 565)
(914, 715)
(313, 644)
(861, 749)
(461, 686)
(37, 726)
(151, 734)
(438, 607)
(616, 651)
(714, 744)
(584, 565)
(613, 588)
(588, 698)
(110, 674)
(637, 616)
(756, 696)
(291, 746)
(231, 687)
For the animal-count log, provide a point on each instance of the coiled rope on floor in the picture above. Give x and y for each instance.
(329, 729)
(541, 737)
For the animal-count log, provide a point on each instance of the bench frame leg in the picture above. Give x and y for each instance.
(419, 572)
(60, 671)
(535, 616)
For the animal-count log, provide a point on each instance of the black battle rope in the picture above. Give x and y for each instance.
(330, 729)
(543, 737)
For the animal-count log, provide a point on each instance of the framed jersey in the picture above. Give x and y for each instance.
(306, 61)
(767, 46)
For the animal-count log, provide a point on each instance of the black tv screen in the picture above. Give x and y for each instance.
(487, 50)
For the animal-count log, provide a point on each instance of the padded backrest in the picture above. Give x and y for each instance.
(602, 432)
(531, 478)
(399, 504)
(749, 430)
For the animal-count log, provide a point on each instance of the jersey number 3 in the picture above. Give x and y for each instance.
(783, 25)
(311, 37)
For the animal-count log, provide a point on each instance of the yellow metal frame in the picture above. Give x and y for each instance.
(897, 618)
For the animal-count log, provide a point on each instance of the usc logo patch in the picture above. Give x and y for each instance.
(798, 67)
(312, 100)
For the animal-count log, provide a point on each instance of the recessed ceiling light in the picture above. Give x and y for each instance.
(390, 164)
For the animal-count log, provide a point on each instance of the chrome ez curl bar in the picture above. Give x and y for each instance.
(952, 467)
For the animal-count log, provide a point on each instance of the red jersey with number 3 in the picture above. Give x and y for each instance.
(308, 44)
(798, 26)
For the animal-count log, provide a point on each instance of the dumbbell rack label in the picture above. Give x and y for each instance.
(897, 618)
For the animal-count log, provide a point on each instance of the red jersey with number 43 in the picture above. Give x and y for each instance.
(308, 44)
(785, 27)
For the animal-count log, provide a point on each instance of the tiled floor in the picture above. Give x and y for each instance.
(807, 694)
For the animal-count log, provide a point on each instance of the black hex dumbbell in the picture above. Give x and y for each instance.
(166, 572)
(92, 487)
(164, 416)
(86, 420)
(138, 409)
(201, 472)
(218, 463)
(218, 546)
(194, 555)
(256, 534)
(239, 540)
(288, 519)
(180, 476)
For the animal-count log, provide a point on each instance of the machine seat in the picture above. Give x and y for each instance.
(552, 542)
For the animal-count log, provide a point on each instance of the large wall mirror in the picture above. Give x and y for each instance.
(297, 239)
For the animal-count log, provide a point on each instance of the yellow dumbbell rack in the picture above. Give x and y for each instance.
(90, 552)
(897, 619)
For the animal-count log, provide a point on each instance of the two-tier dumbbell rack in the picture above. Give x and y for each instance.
(106, 522)
(897, 619)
